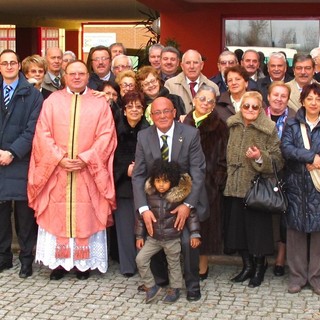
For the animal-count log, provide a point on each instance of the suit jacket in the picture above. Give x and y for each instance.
(95, 82)
(294, 101)
(186, 151)
(178, 85)
(218, 80)
(264, 83)
(49, 85)
(316, 76)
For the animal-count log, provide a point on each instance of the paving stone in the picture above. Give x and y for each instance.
(111, 296)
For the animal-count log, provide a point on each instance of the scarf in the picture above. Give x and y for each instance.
(199, 120)
(281, 120)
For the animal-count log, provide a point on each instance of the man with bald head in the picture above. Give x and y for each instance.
(187, 82)
(184, 147)
(52, 78)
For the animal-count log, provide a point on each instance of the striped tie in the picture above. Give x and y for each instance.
(7, 91)
(165, 148)
(57, 82)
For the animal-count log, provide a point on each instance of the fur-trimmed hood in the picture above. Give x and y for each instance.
(175, 194)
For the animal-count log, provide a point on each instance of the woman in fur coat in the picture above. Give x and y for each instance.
(253, 142)
(214, 137)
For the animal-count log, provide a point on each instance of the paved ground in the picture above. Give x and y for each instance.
(111, 296)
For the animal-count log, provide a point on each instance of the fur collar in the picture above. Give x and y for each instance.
(211, 123)
(175, 194)
(262, 123)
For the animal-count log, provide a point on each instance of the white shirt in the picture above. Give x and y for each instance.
(169, 135)
(196, 87)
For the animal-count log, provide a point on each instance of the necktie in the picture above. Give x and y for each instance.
(165, 148)
(192, 85)
(57, 81)
(7, 91)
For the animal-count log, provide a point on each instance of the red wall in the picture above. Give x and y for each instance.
(199, 26)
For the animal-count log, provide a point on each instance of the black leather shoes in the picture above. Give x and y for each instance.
(83, 275)
(278, 271)
(5, 266)
(57, 274)
(25, 271)
(193, 295)
(204, 276)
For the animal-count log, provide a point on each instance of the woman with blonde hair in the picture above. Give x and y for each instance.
(34, 68)
(253, 143)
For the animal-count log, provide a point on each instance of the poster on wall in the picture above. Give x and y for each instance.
(97, 39)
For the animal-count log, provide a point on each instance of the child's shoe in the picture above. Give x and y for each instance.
(151, 293)
(172, 295)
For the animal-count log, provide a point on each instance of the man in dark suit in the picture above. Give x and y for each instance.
(277, 70)
(20, 105)
(226, 60)
(184, 148)
(99, 66)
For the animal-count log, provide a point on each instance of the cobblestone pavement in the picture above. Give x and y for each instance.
(111, 296)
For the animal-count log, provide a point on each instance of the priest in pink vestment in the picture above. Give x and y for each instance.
(70, 183)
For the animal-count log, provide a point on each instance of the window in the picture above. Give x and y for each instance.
(52, 37)
(300, 35)
(7, 37)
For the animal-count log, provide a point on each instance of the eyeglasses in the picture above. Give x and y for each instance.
(100, 59)
(148, 83)
(230, 63)
(74, 74)
(165, 112)
(9, 63)
(204, 99)
(121, 66)
(299, 68)
(67, 60)
(127, 85)
(133, 106)
(247, 106)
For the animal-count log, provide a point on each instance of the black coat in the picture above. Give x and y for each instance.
(161, 206)
(17, 128)
(214, 139)
(95, 82)
(304, 200)
(263, 86)
(175, 99)
(124, 154)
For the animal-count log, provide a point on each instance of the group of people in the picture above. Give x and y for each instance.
(163, 156)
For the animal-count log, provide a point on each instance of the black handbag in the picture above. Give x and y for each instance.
(266, 194)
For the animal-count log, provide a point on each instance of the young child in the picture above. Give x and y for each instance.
(166, 188)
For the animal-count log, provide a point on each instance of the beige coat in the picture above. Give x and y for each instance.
(262, 133)
(178, 85)
(294, 101)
